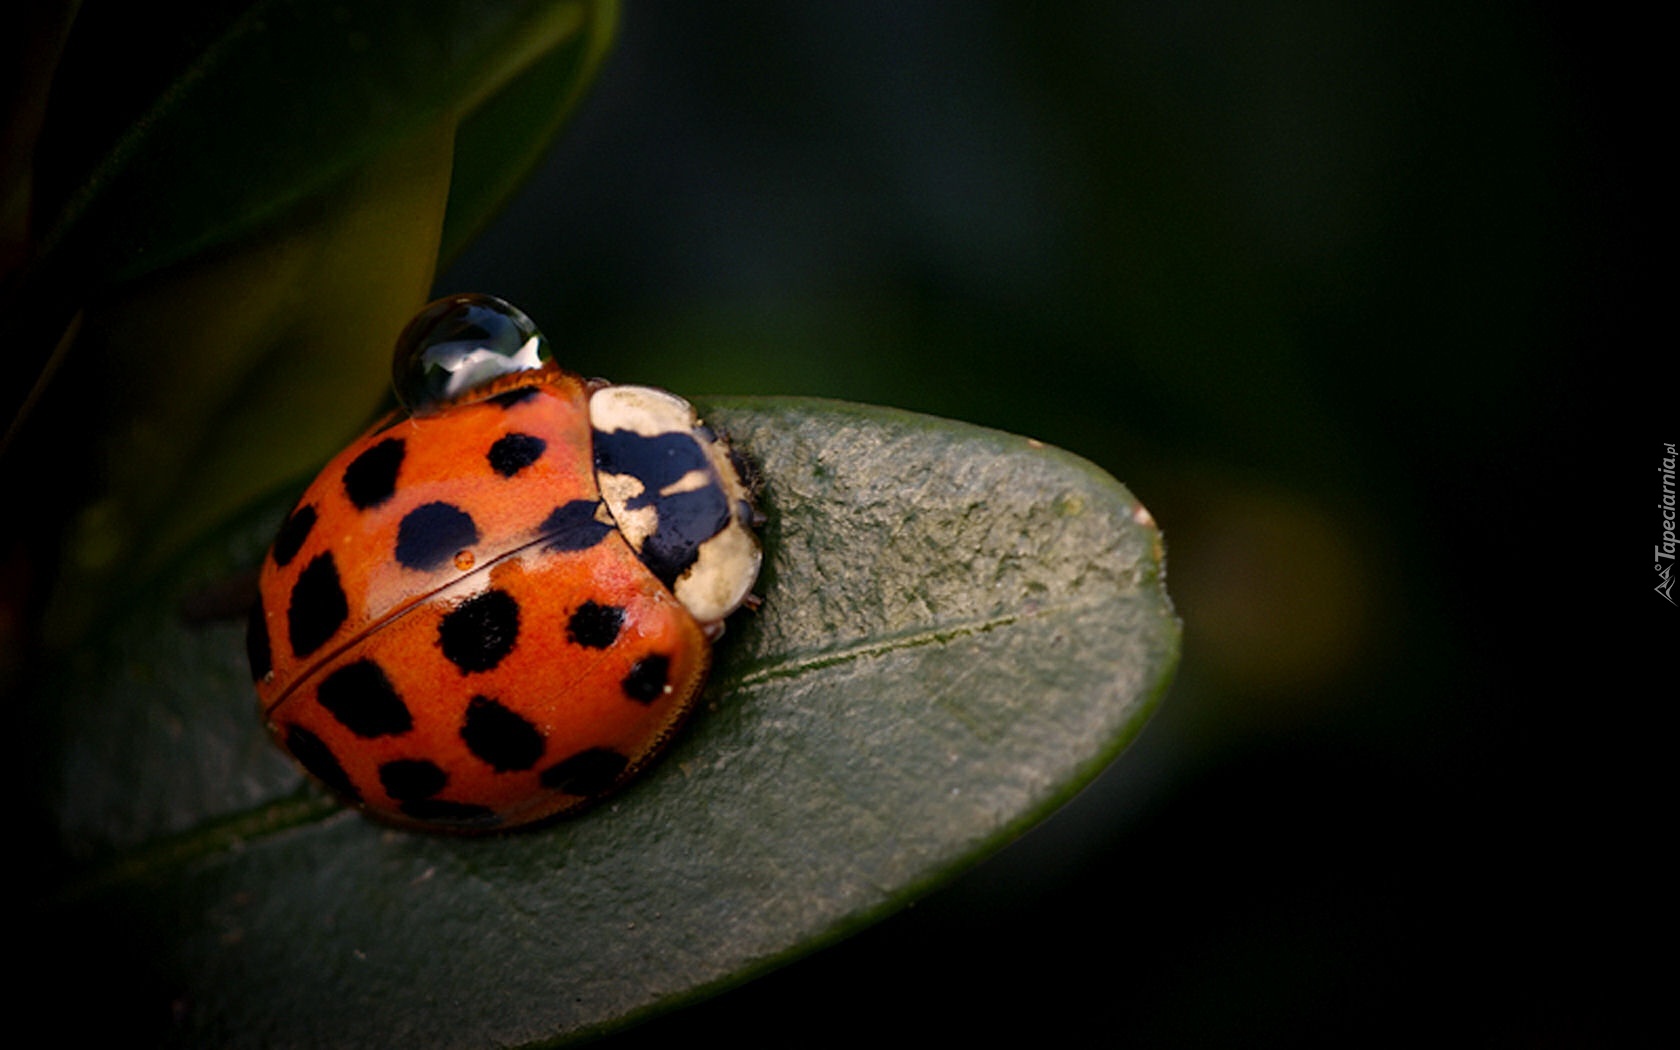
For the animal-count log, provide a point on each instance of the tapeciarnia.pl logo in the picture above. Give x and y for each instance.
(1665, 549)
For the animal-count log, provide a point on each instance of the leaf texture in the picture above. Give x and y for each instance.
(959, 629)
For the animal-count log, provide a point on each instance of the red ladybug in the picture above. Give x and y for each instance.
(498, 605)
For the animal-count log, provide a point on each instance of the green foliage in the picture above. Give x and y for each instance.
(959, 629)
(228, 119)
(234, 236)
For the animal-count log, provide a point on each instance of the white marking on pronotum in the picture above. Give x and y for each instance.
(727, 563)
(640, 410)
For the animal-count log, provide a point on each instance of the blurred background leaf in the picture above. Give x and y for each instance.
(238, 204)
(176, 130)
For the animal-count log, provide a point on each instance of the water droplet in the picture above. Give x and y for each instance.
(459, 344)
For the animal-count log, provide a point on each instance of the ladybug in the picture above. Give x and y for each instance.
(498, 604)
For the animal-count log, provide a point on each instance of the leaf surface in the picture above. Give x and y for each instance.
(959, 629)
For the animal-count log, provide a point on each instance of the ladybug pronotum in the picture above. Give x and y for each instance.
(496, 606)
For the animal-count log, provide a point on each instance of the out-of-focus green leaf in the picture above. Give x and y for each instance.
(500, 142)
(959, 628)
(220, 378)
(235, 114)
(246, 201)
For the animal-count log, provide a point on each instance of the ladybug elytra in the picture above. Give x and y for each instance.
(497, 605)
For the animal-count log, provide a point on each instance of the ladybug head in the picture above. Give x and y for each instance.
(460, 343)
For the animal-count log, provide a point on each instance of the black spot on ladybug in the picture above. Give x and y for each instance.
(443, 811)
(318, 607)
(364, 701)
(314, 755)
(256, 643)
(574, 527)
(585, 773)
(293, 533)
(371, 477)
(646, 681)
(657, 461)
(595, 626)
(684, 519)
(406, 779)
(432, 534)
(509, 398)
(476, 634)
(501, 737)
(512, 453)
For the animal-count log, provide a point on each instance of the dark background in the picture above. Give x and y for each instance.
(1338, 291)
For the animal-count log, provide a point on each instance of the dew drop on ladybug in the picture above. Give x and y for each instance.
(460, 343)
(499, 604)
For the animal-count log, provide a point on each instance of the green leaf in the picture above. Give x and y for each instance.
(232, 117)
(498, 143)
(245, 226)
(959, 629)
